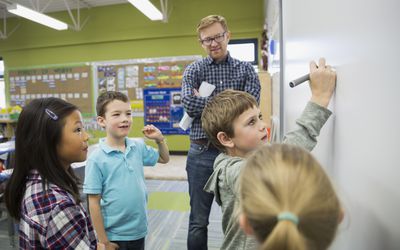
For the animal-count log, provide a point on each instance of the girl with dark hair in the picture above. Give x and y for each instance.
(42, 193)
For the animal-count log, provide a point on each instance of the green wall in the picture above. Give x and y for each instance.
(122, 32)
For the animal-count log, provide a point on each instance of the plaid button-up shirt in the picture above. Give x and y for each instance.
(230, 74)
(52, 219)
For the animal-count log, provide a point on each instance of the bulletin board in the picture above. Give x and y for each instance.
(123, 78)
(134, 76)
(70, 83)
(163, 74)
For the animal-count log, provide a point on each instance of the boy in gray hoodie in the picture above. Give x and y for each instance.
(233, 123)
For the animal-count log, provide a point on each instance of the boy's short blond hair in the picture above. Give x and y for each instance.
(209, 20)
(222, 110)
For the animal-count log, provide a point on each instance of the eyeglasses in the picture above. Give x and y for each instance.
(218, 38)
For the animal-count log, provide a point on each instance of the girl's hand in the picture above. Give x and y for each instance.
(152, 132)
(111, 246)
(107, 246)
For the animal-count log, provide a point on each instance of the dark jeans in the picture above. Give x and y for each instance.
(130, 245)
(199, 167)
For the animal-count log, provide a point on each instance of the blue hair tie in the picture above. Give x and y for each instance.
(289, 217)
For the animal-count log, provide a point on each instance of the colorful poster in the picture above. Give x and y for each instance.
(163, 108)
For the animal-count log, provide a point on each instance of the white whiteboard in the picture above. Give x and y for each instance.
(360, 145)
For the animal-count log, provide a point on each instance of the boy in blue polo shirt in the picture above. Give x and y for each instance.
(114, 179)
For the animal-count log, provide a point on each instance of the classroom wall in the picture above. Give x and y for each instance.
(121, 32)
(360, 144)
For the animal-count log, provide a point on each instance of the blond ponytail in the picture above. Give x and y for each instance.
(285, 235)
(284, 179)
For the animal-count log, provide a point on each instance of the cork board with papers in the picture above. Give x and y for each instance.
(71, 83)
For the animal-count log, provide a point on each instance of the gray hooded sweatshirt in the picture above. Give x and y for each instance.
(223, 183)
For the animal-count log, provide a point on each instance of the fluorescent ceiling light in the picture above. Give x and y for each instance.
(147, 8)
(35, 16)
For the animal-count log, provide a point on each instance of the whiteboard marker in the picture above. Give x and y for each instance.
(299, 80)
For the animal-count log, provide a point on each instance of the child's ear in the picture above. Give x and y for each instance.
(225, 140)
(101, 121)
(244, 224)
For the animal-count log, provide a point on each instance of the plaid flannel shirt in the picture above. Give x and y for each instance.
(52, 219)
(230, 74)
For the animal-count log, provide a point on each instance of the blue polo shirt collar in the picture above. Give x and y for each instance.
(107, 149)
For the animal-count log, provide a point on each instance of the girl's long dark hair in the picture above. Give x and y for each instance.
(37, 137)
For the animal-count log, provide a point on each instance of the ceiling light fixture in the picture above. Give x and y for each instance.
(148, 9)
(35, 16)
